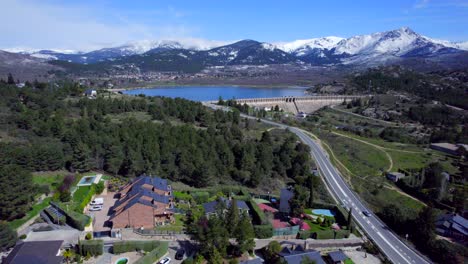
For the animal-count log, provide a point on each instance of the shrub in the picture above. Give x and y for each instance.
(99, 187)
(88, 236)
(85, 195)
(155, 254)
(258, 215)
(67, 183)
(135, 245)
(263, 231)
(23, 236)
(91, 247)
(64, 196)
(201, 197)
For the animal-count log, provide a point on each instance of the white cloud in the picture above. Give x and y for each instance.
(39, 25)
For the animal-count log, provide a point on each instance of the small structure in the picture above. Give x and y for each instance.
(285, 196)
(211, 207)
(395, 176)
(35, 252)
(452, 225)
(448, 148)
(297, 254)
(337, 257)
(90, 93)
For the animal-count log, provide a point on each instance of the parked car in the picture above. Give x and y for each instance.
(95, 208)
(165, 260)
(180, 254)
(97, 201)
(366, 213)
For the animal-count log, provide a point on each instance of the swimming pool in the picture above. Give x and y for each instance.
(122, 261)
(324, 212)
(87, 180)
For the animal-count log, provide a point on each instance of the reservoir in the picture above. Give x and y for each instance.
(211, 93)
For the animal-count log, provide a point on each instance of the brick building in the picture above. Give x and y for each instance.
(145, 202)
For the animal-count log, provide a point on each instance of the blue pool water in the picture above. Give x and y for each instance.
(325, 212)
(87, 180)
(211, 93)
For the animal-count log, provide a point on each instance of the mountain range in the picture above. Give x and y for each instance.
(387, 47)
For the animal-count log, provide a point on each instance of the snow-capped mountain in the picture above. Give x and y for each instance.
(302, 47)
(367, 50)
(374, 48)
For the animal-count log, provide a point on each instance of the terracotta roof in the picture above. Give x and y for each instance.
(267, 208)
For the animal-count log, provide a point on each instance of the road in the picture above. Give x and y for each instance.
(391, 245)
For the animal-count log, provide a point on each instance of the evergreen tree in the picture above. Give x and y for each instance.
(17, 192)
(8, 236)
(245, 234)
(232, 218)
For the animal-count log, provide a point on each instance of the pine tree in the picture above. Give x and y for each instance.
(232, 218)
(245, 234)
(8, 236)
(350, 219)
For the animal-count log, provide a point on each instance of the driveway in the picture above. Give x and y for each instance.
(100, 218)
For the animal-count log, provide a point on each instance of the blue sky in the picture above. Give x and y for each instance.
(92, 24)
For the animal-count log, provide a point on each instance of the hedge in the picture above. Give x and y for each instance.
(91, 247)
(135, 245)
(74, 219)
(258, 215)
(155, 254)
(86, 199)
(263, 231)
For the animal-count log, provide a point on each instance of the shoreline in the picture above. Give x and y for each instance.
(155, 86)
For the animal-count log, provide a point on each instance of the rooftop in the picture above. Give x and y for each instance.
(337, 256)
(211, 206)
(37, 252)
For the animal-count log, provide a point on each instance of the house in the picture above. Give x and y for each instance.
(337, 257)
(286, 194)
(36, 252)
(144, 203)
(297, 254)
(395, 176)
(212, 207)
(449, 148)
(90, 93)
(452, 225)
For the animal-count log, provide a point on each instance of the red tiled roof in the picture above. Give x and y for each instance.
(267, 208)
(278, 224)
(297, 221)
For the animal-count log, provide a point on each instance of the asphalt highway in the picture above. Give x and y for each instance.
(391, 245)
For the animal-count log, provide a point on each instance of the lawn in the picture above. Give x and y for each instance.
(51, 178)
(178, 226)
(34, 211)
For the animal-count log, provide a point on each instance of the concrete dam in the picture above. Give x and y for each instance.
(297, 104)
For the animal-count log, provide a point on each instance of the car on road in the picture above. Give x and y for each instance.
(95, 208)
(97, 201)
(180, 254)
(165, 260)
(366, 213)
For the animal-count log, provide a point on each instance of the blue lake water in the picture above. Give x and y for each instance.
(211, 93)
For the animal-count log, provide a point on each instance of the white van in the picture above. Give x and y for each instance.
(97, 201)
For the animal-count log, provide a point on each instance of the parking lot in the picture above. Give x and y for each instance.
(100, 218)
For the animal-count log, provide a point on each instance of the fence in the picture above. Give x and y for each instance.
(151, 232)
(287, 231)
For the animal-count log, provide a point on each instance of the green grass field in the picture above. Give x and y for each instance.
(34, 211)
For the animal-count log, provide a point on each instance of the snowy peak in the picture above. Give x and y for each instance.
(302, 46)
